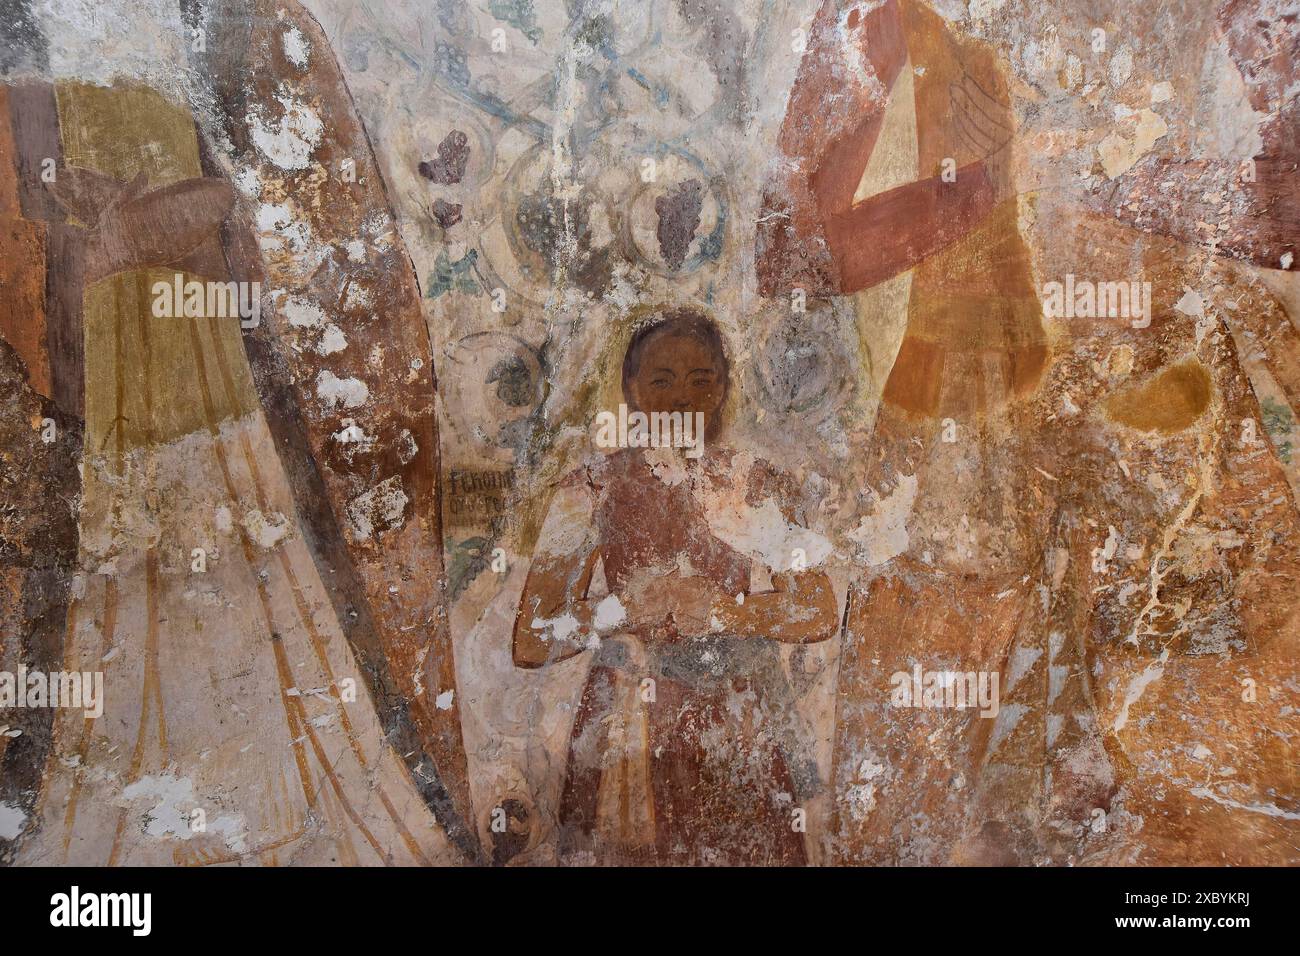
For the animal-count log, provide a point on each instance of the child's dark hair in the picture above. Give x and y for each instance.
(685, 322)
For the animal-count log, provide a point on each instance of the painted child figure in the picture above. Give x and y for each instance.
(684, 749)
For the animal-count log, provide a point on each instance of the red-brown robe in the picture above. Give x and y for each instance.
(719, 754)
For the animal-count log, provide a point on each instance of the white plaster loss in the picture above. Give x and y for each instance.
(352, 434)
(12, 821)
(1267, 809)
(266, 531)
(332, 340)
(302, 313)
(610, 613)
(1121, 150)
(279, 230)
(335, 391)
(174, 803)
(556, 628)
(224, 519)
(764, 534)
(296, 47)
(1191, 303)
(379, 509)
(289, 140)
(882, 535)
(247, 182)
(1138, 685)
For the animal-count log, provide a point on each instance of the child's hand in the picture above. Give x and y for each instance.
(674, 606)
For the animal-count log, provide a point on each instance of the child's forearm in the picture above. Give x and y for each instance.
(555, 619)
(804, 612)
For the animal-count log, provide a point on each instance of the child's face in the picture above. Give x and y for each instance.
(678, 374)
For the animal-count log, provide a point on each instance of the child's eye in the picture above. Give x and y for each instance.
(660, 383)
(701, 379)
